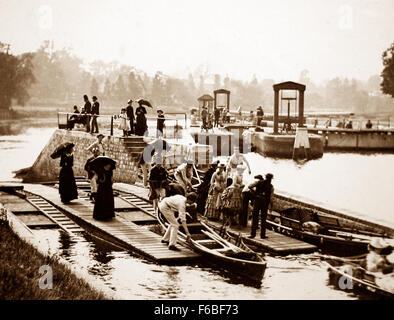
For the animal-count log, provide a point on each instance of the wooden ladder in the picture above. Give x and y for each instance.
(54, 214)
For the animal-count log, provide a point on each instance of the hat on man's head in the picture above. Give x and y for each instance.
(192, 196)
(94, 98)
(269, 176)
(100, 135)
(159, 110)
(259, 177)
(129, 101)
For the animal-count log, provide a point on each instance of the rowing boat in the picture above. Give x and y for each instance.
(349, 274)
(226, 251)
(330, 234)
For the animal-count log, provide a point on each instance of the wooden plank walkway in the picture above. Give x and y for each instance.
(119, 231)
(276, 243)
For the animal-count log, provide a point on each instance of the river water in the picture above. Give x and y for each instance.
(359, 182)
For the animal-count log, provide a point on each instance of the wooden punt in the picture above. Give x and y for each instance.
(228, 252)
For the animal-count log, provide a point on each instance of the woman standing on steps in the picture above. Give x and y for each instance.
(67, 186)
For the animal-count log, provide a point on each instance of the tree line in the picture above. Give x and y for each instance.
(59, 77)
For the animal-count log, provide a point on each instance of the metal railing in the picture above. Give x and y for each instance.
(173, 125)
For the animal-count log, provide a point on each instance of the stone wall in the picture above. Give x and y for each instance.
(47, 169)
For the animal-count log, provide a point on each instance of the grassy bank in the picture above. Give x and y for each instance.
(19, 273)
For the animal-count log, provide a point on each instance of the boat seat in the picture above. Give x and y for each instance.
(291, 223)
(327, 220)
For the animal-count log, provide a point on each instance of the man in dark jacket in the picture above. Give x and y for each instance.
(130, 115)
(88, 111)
(263, 191)
(259, 115)
(95, 113)
(157, 176)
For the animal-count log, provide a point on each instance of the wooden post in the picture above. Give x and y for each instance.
(276, 111)
(228, 102)
(112, 125)
(301, 109)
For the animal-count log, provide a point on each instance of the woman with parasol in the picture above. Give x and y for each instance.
(104, 208)
(67, 186)
(141, 126)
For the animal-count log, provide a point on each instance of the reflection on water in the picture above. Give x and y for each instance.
(293, 277)
(357, 182)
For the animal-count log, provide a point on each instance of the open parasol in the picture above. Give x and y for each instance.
(61, 149)
(98, 163)
(143, 102)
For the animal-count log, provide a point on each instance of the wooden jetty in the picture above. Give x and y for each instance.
(121, 230)
(276, 243)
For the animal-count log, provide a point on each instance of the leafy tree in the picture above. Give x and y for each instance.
(217, 80)
(94, 87)
(135, 87)
(158, 89)
(387, 74)
(16, 76)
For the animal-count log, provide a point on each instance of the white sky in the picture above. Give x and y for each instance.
(272, 39)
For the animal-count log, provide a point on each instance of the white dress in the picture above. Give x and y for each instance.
(123, 125)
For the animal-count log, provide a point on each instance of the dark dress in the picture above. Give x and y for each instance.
(140, 126)
(104, 204)
(67, 186)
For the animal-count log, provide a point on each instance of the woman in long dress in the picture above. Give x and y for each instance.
(232, 198)
(104, 208)
(214, 201)
(235, 160)
(140, 127)
(67, 186)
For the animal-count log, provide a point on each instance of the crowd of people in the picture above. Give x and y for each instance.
(130, 122)
(220, 116)
(222, 194)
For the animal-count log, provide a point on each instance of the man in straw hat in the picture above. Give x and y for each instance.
(184, 174)
(174, 210)
(98, 144)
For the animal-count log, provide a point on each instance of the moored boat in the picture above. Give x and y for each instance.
(228, 252)
(329, 233)
(350, 274)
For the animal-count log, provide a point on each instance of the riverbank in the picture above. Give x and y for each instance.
(19, 273)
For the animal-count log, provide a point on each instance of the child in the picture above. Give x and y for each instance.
(160, 123)
(123, 122)
(232, 201)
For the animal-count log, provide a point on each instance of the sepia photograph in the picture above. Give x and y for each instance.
(196, 155)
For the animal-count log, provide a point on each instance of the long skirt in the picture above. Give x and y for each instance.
(67, 186)
(213, 204)
(104, 204)
(140, 126)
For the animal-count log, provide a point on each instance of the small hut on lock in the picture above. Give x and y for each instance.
(205, 101)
